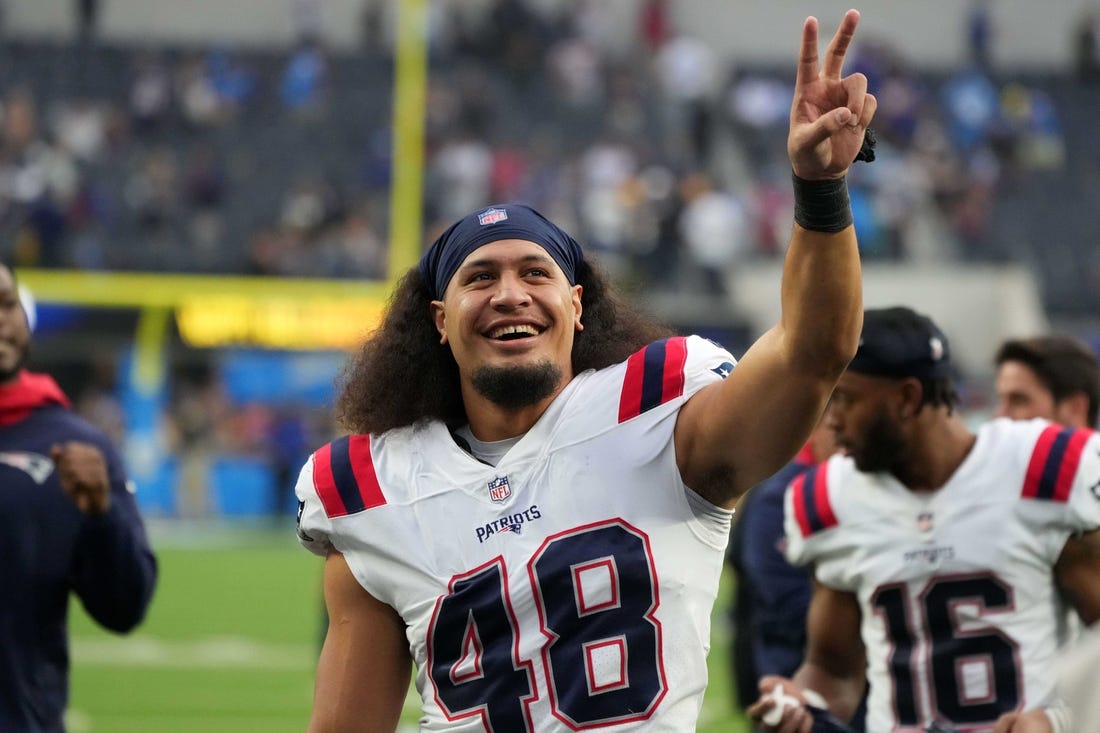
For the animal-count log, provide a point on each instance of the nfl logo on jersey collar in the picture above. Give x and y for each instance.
(499, 490)
(924, 522)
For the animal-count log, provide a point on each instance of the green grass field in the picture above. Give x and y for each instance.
(230, 643)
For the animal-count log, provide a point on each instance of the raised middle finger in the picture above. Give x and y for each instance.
(838, 47)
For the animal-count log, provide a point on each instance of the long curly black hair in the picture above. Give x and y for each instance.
(402, 375)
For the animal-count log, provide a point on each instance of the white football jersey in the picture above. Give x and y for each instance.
(961, 617)
(567, 588)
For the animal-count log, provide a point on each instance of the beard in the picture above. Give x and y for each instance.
(883, 446)
(516, 387)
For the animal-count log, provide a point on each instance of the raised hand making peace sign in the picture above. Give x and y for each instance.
(830, 113)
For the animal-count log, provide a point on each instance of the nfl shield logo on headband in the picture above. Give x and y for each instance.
(491, 216)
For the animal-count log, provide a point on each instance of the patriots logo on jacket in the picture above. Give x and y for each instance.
(35, 465)
(499, 490)
(724, 369)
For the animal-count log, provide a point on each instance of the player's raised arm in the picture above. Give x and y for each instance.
(735, 433)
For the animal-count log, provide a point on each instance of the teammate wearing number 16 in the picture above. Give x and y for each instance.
(941, 557)
(534, 501)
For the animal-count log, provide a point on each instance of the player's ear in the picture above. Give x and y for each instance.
(439, 318)
(912, 394)
(578, 290)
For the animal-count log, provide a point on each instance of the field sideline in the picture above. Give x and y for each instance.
(231, 639)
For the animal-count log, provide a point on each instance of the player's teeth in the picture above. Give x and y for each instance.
(507, 330)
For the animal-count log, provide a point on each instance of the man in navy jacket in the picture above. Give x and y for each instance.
(68, 522)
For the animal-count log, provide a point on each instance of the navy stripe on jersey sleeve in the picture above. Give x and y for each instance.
(344, 477)
(812, 508)
(1054, 463)
(654, 375)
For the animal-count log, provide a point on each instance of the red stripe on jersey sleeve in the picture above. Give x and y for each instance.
(630, 401)
(821, 498)
(798, 501)
(1039, 455)
(325, 483)
(362, 465)
(1070, 461)
(672, 384)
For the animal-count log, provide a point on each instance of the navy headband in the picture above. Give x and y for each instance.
(501, 221)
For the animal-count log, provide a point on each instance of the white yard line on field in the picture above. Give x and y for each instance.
(216, 651)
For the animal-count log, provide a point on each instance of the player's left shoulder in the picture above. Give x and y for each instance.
(647, 386)
(1047, 475)
(669, 370)
(1023, 436)
(1051, 457)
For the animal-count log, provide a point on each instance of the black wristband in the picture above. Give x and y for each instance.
(822, 206)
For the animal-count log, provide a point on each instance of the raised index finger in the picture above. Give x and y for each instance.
(838, 47)
(807, 55)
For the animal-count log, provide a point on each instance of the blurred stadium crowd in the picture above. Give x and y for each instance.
(666, 160)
